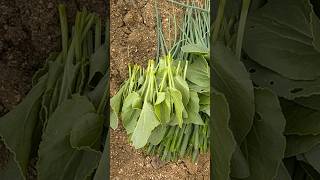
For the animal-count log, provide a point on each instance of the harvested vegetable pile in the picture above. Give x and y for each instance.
(62, 118)
(265, 78)
(165, 108)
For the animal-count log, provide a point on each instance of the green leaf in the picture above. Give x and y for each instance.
(178, 105)
(19, 125)
(198, 49)
(146, 123)
(300, 144)
(157, 134)
(130, 114)
(283, 86)
(239, 164)
(283, 42)
(294, 114)
(87, 130)
(162, 107)
(193, 109)
(312, 102)
(223, 143)
(114, 121)
(57, 158)
(230, 77)
(266, 142)
(161, 96)
(183, 87)
(198, 72)
(115, 103)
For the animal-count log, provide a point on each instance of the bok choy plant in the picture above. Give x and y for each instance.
(61, 121)
(165, 108)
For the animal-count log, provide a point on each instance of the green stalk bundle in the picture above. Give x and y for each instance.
(165, 108)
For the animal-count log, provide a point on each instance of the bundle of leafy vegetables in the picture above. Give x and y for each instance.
(265, 93)
(60, 122)
(165, 108)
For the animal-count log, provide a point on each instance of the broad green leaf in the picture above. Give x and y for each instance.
(197, 88)
(57, 158)
(198, 49)
(129, 113)
(87, 130)
(283, 42)
(198, 73)
(130, 118)
(157, 134)
(300, 120)
(178, 105)
(19, 125)
(266, 142)
(146, 123)
(300, 144)
(183, 87)
(230, 77)
(223, 143)
(283, 86)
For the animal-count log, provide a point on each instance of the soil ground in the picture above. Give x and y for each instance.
(133, 40)
(29, 30)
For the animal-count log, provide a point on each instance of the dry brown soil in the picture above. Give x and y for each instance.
(133, 40)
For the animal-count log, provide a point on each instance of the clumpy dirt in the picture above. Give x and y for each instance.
(133, 41)
(29, 30)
